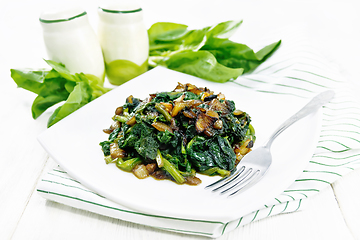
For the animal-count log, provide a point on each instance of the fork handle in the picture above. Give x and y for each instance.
(315, 103)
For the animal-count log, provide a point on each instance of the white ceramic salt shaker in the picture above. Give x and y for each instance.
(124, 40)
(70, 40)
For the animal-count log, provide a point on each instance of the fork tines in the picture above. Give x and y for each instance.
(236, 181)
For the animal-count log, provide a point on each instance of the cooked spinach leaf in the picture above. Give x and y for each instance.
(171, 96)
(105, 146)
(147, 146)
(208, 153)
(113, 135)
(175, 135)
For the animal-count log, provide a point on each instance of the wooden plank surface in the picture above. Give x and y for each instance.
(331, 214)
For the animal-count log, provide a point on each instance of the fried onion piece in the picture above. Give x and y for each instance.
(218, 106)
(218, 124)
(168, 106)
(193, 103)
(221, 96)
(205, 95)
(173, 125)
(162, 127)
(193, 89)
(192, 180)
(238, 112)
(180, 99)
(241, 151)
(212, 113)
(203, 121)
(116, 152)
(210, 131)
(177, 108)
(131, 121)
(114, 125)
(180, 88)
(189, 114)
(119, 110)
(129, 99)
(140, 171)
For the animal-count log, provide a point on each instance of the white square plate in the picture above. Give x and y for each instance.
(74, 144)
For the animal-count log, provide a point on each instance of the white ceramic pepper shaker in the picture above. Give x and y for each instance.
(124, 40)
(70, 40)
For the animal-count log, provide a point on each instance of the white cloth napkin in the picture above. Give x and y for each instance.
(295, 69)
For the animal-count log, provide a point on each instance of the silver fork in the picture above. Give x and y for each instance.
(256, 163)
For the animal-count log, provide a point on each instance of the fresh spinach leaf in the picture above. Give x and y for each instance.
(166, 32)
(202, 64)
(236, 55)
(29, 80)
(206, 53)
(56, 86)
(224, 29)
(41, 104)
(194, 40)
(61, 69)
(80, 96)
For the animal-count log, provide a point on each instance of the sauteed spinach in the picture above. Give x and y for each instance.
(173, 135)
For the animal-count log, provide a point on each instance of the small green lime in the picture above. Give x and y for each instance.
(120, 71)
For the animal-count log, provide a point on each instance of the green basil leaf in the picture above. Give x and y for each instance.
(202, 64)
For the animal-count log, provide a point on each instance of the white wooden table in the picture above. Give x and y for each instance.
(334, 213)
